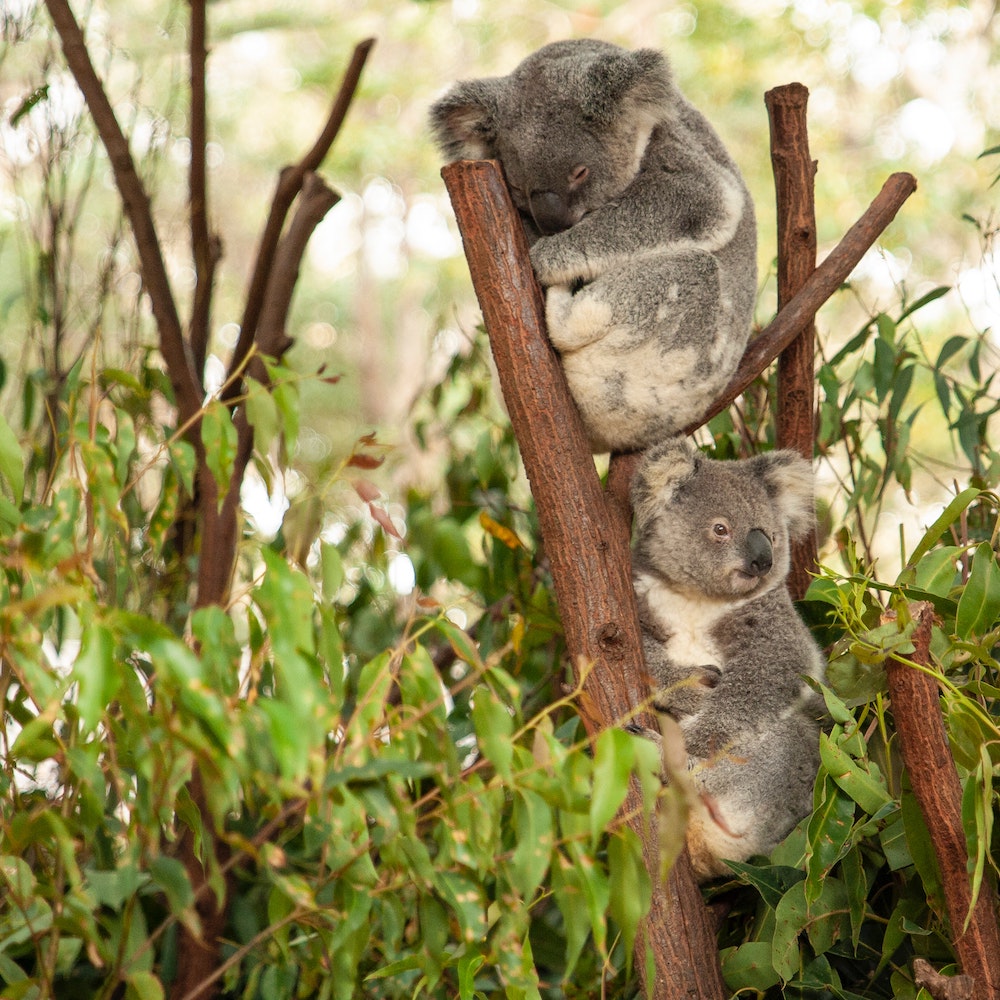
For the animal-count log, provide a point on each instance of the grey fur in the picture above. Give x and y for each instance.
(723, 641)
(643, 231)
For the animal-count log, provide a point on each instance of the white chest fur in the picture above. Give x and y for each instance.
(688, 621)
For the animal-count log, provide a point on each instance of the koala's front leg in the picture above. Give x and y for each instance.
(562, 259)
(684, 694)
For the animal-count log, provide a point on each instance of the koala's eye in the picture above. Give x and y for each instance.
(578, 175)
(720, 531)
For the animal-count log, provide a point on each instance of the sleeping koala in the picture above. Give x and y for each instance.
(723, 641)
(642, 230)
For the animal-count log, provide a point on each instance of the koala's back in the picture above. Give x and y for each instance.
(642, 229)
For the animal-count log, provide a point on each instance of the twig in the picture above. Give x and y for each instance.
(289, 184)
(180, 367)
(936, 787)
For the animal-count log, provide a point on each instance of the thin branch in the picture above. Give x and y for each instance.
(289, 184)
(180, 368)
(816, 289)
(316, 200)
(206, 249)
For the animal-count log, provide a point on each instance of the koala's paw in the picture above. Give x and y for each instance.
(557, 262)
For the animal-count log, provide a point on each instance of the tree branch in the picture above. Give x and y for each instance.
(206, 249)
(934, 779)
(795, 316)
(587, 543)
(180, 369)
(816, 289)
(794, 173)
(316, 200)
(289, 184)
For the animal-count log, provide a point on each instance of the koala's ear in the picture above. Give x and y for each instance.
(466, 119)
(789, 479)
(664, 468)
(632, 84)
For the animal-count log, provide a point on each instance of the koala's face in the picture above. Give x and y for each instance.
(560, 166)
(720, 529)
(570, 125)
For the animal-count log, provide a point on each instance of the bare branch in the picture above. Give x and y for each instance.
(316, 200)
(289, 184)
(206, 249)
(180, 369)
(816, 289)
(923, 746)
(794, 174)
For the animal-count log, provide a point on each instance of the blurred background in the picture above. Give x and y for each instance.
(385, 300)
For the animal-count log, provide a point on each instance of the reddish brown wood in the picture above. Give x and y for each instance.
(586, 541)
(794, 172)
(818, 287)
(934, 779)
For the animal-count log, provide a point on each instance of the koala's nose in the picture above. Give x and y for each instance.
(759, 557)
(550, 211)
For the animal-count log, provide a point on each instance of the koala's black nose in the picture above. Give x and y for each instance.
(759, 557)
(550, 211)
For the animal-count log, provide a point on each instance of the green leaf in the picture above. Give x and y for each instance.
(979, 605)
(828, 831)
(169, 874)
(936, 572)
(772, 881)
(868, 791)
(945, 520)
(143, 986)
(614, 755)
(96, 673)
(262, 415)
(11, 461)
(494, 728)
(749, 967)
(218, 435)
(533, 838)
(631, 888)
(332, 569)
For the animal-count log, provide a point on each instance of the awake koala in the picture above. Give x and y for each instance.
(642, 230)
(723, 641)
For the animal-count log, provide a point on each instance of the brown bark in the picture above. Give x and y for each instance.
(586, 540)
(934, 780)
(816, 289)
(180, 368)
(289, 184)
(794, 173)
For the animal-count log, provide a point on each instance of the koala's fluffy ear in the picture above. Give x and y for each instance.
(465, 120)
(637, 85)
(788, 477)
(663, 469)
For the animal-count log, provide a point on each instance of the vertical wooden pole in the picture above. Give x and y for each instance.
(794, 172)
(587, 543)
(923, 745)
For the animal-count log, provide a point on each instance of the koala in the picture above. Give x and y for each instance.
(642, 230)
(723, 642)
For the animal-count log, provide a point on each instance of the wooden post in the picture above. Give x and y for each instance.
(587, 544)
(794, 171)
(924, 748)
